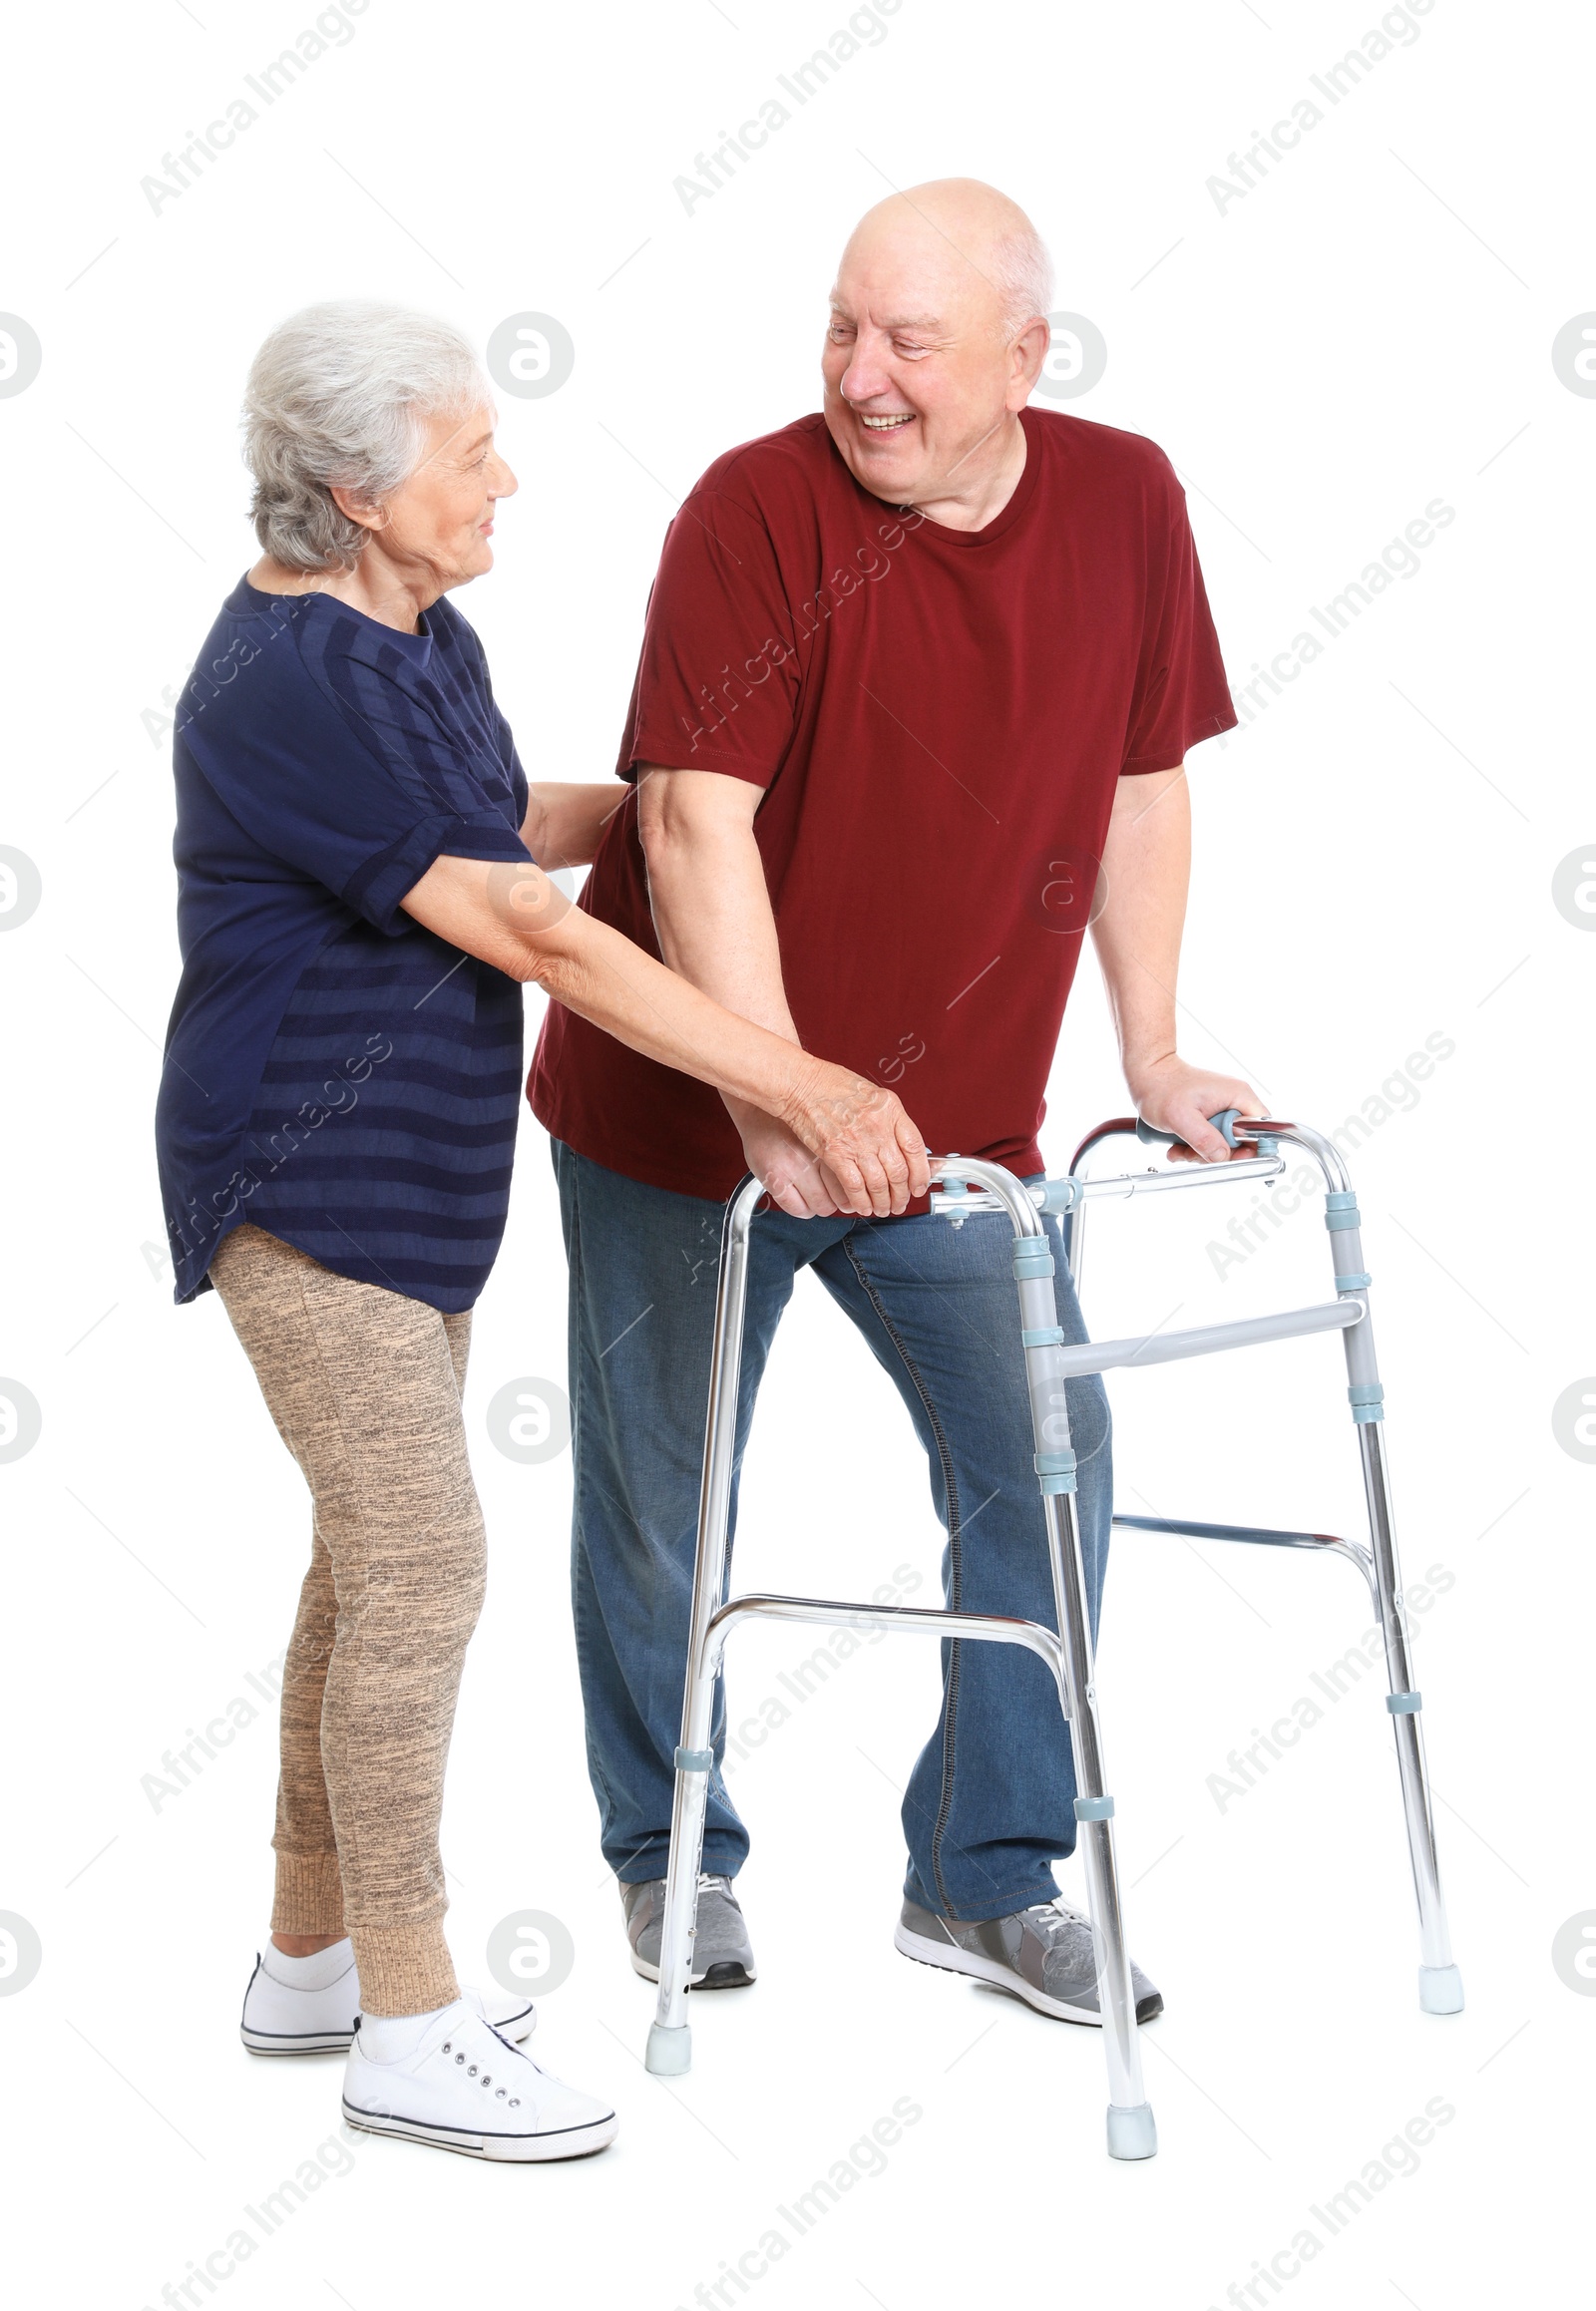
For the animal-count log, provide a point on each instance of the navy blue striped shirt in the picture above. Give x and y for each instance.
(334, 1072)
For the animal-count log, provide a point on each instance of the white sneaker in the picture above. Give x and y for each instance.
(280, 2020)
(467, 2088)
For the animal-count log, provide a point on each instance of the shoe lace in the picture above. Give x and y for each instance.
(1049, 1919)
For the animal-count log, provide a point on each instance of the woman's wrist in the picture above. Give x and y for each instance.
(823, 1097)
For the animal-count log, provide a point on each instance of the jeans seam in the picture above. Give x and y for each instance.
(955, 1568)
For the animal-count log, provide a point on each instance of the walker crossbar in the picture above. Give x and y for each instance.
(970, 1188)
(1327, 1544)
(826, 1611)
(1167, 1347)
(953, 1202)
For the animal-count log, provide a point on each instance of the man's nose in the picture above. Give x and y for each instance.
(865, 376)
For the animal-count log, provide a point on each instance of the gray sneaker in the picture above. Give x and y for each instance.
(1042, 1955)
(722, 1955)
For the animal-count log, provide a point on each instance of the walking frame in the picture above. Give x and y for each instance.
(968, 1188)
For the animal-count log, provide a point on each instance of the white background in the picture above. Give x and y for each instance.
(1364, 331)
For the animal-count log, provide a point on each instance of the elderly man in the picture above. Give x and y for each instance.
(918, 678)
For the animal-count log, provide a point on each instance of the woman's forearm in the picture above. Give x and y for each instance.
(513, 916)
(597, 972)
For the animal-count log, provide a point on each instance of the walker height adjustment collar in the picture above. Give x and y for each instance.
(1055, 1471)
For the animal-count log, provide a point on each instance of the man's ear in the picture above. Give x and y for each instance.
(1028, 353)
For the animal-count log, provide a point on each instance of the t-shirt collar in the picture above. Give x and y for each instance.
(369, 641)
(1000, 524)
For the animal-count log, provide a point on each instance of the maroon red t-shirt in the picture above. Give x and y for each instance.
(938, 718)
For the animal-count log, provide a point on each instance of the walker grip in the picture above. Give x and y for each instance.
(1224, 1123)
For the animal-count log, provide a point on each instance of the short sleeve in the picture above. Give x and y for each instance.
(1182, 697)
(717, 686)
(343, 792)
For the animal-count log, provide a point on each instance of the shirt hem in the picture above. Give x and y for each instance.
(678, 1180)
(450, 1304)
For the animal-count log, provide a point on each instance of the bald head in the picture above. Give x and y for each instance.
(982, 243)
(937, 333)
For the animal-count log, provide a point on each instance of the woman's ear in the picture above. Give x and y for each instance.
(354, 508)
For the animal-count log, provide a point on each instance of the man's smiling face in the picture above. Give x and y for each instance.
(919, 369)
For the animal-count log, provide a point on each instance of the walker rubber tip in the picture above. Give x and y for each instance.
(1440, 1989)
(1131, 2132)
(669, 2051)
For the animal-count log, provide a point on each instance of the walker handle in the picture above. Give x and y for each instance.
(1224, 1123)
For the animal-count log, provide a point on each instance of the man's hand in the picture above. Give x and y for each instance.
(843, 1145)
(795, 1181)
(1174, 1096)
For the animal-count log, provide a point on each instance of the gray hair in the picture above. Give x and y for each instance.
(1023, 273)
(340, 394)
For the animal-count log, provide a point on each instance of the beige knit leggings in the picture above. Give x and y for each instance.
(364, 1387)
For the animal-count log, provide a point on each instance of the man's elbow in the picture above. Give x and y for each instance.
(681, 826)
(668, 832)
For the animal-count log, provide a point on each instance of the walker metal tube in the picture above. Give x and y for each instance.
(1204, 1339)
(929, 1620)
(1439, 1983)
(1441, 1986)
(669, 2040)
(1131, 2132)
(1067, 1195)
(1327, 1544)
(1181, 1175)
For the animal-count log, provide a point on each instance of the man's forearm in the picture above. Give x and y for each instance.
(1147, 860)
(712, 913)
(716, 929)
(1147, 863)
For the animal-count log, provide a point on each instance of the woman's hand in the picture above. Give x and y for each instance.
(565, 824)
(872, 1159)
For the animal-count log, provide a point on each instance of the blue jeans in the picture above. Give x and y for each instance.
(989, 1804)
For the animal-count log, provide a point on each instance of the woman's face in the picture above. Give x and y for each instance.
(438, 525)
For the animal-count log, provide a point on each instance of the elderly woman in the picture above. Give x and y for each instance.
(361, 897)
